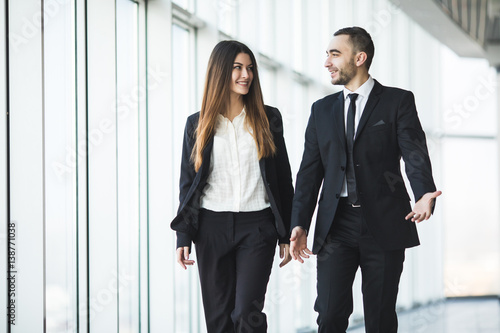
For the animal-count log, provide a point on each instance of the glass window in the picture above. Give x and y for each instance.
(104, 278)
(267, 77)
(60, 172)
(469, 122)
(27, 165)
(284, 38)
(186, 4)
(266, 27)
(130, 94)
(106, 211)
(317, 38)
(468, 109)
(186, 295)
(298, 35)
(477, 195)
(227, 16)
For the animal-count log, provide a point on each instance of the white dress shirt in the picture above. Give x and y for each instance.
(234, 183)
(363, 93)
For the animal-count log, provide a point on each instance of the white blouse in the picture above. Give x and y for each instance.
(234, 183)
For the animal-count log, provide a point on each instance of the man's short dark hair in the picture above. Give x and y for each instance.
(361, 42)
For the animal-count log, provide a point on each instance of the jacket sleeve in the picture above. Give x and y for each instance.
(284, 173)
(187, 176)
(309, 178)
(187, 167)
(413, 146)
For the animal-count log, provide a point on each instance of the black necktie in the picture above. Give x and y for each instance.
(350, 176)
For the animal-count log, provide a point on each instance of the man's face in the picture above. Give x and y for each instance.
(340, 60)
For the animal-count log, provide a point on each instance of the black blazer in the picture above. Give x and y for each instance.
(275, 171)
(389, 129)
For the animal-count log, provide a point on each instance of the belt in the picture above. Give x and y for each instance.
(345, 201)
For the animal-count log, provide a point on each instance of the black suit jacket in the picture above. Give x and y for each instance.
(389, 129)
(275, 171)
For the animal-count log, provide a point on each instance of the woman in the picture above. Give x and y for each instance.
(235, 192)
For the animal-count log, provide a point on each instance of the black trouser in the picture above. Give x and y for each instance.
(235, 253)
(349, 245)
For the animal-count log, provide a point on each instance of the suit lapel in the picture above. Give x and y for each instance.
(262, 165)
(207, 155)
(338, 118)
(370, 105)
(262, 162)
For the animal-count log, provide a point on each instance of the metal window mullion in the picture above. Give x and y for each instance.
(143, 258)
(4, 165)
(82, 298)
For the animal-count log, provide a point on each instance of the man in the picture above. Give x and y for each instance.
(354, 142)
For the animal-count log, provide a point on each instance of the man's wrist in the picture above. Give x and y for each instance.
(301, 227)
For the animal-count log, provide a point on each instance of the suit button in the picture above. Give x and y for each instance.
(358, 165)
(342, 168)
(337, 195)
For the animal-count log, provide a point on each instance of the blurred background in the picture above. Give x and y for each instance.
(94, 97)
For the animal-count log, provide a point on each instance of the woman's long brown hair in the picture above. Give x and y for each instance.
(216, 96)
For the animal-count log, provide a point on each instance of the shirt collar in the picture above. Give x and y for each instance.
(221, 119)
(242, 113)
(363, 91)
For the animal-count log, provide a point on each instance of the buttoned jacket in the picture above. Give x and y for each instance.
(389, 130)
(275, 171)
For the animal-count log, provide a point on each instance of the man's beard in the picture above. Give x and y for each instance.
(346, 74)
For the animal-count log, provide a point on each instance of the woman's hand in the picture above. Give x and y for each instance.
(182, 255)
(285, 253)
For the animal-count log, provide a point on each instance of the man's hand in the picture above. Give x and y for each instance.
(182, 255)
(285, 253)
(298, 245)
(423, 208)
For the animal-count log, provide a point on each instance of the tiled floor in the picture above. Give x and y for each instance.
(468, 315)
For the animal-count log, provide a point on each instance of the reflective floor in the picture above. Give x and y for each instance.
(467, 315)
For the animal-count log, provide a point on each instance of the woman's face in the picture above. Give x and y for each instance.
(242, 74)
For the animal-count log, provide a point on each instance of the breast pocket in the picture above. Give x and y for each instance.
(379, 139)
(377, 128)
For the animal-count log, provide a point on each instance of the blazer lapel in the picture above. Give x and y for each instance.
(370, 105)
(262, 165)
(338, 118)
(207, 155)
